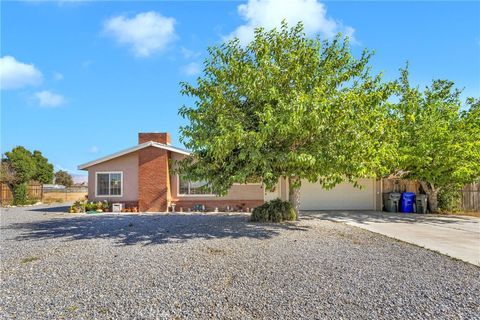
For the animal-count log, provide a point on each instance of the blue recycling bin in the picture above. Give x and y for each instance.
(407, 202)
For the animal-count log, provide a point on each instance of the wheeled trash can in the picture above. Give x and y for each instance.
(407, 202)
(421, 203)
(391, 201)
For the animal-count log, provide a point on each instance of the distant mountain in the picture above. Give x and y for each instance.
(79, 178)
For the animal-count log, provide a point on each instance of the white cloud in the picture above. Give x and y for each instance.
(57, 76)
(49, 99)
(191, 69)
(15, 74)
(189, 54)
(93, 149)
(270, 13)
(146, 33)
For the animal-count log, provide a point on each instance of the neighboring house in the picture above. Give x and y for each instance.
(141, 176)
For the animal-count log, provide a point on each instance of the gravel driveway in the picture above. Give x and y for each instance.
(188, 266)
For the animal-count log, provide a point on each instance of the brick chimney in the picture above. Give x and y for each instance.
(153, 173)
(161, 137)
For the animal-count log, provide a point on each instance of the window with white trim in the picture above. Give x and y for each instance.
(186, 187)
(109, 184)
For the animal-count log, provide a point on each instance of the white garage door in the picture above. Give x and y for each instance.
(343, 197)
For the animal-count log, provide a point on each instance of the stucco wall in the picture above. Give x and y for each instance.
(236, 192)
(128, 164)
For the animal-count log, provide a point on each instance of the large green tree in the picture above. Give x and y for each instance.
(44, 169)
(18, 168)
(286, 106)
(439, 142)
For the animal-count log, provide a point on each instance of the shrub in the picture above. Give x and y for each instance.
(78, 206)
(450, 199)
(274, 211)
(106, 206)
(91, 206)
(20, 194)
(103, 206)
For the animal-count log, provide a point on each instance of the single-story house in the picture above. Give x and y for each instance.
(140, 176)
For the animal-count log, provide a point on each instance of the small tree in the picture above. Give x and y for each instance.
(44, 169)
(439, 145)
(286, 106)
(18, 168)
(64, 178)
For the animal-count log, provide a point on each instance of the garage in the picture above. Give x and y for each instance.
(343, 197)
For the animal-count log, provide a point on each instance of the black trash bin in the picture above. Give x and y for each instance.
(421, 203)
(391, 201)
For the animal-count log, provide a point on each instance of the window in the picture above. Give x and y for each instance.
(109, 184)
(186, 187)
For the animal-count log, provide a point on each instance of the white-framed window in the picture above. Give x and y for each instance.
(193, 188)
(109, 184)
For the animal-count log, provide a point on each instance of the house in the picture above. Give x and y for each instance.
(141, 176)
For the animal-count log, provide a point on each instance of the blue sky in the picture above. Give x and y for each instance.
(81, 79)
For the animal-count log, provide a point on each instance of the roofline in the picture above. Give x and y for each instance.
(133, 149)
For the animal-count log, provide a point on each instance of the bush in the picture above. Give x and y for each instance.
(78, 206)
(102, 206)
(450, 199)
(90, 206)
(274, 211)
(20, 194)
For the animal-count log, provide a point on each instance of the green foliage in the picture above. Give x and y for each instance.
(274, 211)
(78, 206)
(439, 144)
(91, 206)
(64, 178)
(44, 169)
(19, 167)
(450, 199)
(20, 195)
(286, 106)
(22, 164)
(99, 205)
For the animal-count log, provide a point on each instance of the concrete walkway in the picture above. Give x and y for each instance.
(455, 236)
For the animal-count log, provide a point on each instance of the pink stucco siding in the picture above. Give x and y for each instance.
(128, 165)
(236, 192)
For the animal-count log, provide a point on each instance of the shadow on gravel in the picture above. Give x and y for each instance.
(149, 229)
(54, 209)
(363, 217)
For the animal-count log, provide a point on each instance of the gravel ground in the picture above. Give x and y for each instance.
(188, 266)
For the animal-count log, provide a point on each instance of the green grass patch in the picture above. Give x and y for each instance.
(29, 259)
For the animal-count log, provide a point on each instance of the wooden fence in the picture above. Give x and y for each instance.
(34, 192)
(400, 185)
(37, 192)
(470, 193)
(471, 197)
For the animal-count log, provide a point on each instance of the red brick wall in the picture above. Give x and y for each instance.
(238, 205)
(162, 137)
(153, 184)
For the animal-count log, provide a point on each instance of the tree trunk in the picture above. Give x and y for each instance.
(294, 194)
(432, 195)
